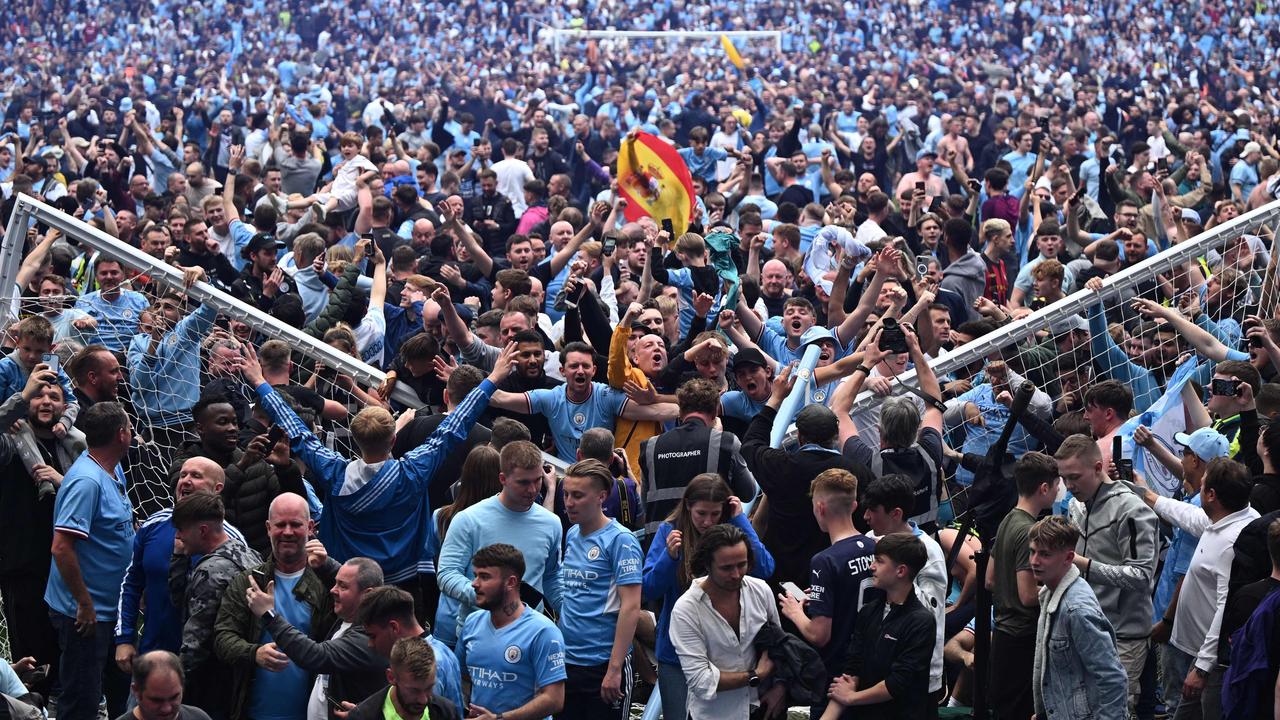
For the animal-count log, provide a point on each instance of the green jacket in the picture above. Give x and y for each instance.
(237, 631)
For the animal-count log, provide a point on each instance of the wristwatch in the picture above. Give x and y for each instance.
(754, 680)
(268, 615)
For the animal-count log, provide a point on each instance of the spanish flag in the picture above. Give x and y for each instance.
(655, 182)
(731, 52)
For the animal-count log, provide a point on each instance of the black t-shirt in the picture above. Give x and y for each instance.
(797, 195)
(1241, 608)
(415, 434)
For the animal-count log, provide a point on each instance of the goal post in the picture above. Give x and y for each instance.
(558, 37)
(1115, 288)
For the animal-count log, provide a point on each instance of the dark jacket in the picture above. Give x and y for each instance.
(198, 595)
(792, 534)
(371, 709)
(1251, 563)
(798, 665)
(498, 209)
(247, 493)
(248, 287)
(355, 671)
(1265, 496)
(237, 630)
(896, 648)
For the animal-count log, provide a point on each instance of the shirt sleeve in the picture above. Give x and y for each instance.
(628, 566)
(540, 400)
(549, 648)
(822, 574)
(76, 506)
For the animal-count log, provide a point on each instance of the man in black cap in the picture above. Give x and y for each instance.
(792, 534)
(262, 280)
(753, 374)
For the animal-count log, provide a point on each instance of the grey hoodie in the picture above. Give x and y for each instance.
(1119, 535)
(966, 276)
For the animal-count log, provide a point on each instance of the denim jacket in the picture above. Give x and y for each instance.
(1078, 674)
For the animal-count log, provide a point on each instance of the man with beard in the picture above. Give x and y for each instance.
(411, 694)
(528, 682)
(580, 403)
(544, 161)
(490, 213)
(265, 682)
(201, 250)
(713, 626)
(34, 461)
(529, 373)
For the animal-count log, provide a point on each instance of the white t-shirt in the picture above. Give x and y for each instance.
(371, 336)
(317, 705)
(513, 173)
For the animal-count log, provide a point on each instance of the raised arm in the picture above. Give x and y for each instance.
(234, 161)
(1204, 343)
(479, 257)
(364, 200)
(454, 327)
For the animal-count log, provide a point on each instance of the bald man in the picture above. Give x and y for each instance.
(148, 576)
(775, 286)
(157, 684)
(264, 682)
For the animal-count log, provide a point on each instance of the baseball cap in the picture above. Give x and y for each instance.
(261, 241)
(1251, 147)
(816, 333)
(1190, 215)
(1068, 324)
(749, 356)
(817, 422)
(1206, 443)
(925, 152)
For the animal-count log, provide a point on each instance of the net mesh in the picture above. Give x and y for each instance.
(1172, 317)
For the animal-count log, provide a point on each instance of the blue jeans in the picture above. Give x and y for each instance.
(1176, 664)
(674, 690)
(86, 669)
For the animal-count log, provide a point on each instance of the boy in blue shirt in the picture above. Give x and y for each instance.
(701, 158)
(513, 654)
(34, 340)
(601, 578)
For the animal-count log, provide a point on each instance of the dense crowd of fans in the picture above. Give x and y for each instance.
(201, 522)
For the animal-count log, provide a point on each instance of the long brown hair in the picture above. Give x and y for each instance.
(707, 487)
(477, 481)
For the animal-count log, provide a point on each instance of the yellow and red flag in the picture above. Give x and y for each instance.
(655, 181)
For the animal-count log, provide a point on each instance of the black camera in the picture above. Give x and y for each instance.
(892, 337)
